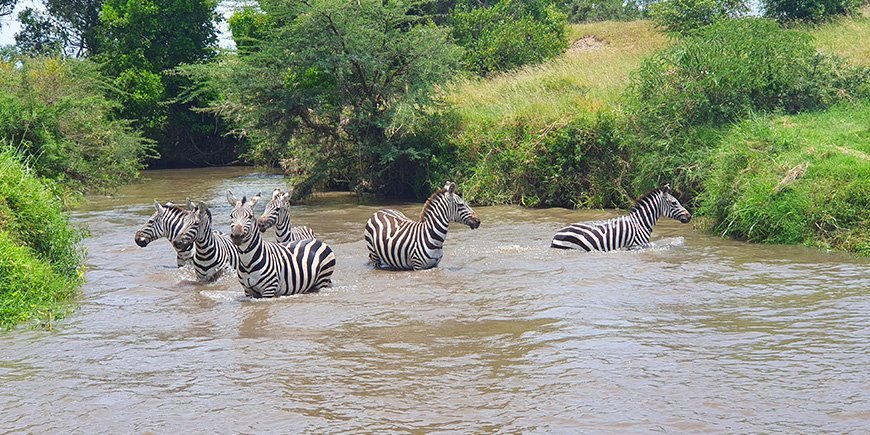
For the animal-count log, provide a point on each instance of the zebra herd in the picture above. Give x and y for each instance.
(298, 262)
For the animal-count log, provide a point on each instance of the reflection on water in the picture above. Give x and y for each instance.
(692, 334)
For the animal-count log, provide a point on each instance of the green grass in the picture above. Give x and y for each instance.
(846, 37)
(39, 257)
(802, 179)
(577, 81)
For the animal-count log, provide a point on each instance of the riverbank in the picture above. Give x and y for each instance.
(39, 253)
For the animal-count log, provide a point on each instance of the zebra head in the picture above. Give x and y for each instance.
(156, 226)
(457, 209)
(280, 200)
(670, 207)
(193, 225)
(243, 223)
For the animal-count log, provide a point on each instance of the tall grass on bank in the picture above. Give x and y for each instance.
(39, 257)
(588, 76)
(801, 179)
(845, 37)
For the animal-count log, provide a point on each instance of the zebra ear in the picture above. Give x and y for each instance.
(254, 200)
(666, 188)
(231, 198)
(450, 187)
(276, 192)
(190, 205)
(158, 207)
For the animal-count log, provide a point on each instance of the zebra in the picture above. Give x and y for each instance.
(268, 269)
(277, 213)
(214, 251)
(165, 222)
(394, 241)
(633, 229)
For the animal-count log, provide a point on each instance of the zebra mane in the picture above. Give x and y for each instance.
(646, 197)
(438, 194)
(174, 207)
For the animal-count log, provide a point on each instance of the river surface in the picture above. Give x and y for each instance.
(695, 334)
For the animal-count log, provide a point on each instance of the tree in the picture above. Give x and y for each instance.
(508, 33)
(335, 89)
(141, 42)
(6, 8)
(813, 11)
(66, 26)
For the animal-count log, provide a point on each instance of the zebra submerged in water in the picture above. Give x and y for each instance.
(277, 213)
(214, 252)
(167, 221)
(268, 269)
(626, 231)
(397, 242)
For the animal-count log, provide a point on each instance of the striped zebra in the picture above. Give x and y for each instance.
(268, 269)
(633, 229)
(165, 222)
(277, 213)
(394, 241)
(214, 251)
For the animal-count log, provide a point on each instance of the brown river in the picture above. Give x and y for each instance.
(695, 334)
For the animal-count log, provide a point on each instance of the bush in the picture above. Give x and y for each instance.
(39, 258)
(576, 163)
(54, 111)
(794, 179)
(588, 11)
(508, 34)
(811, 11)
(684, 16)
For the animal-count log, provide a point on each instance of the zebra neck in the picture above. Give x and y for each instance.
(435, 222)
(283, 226)
(251, 245)
(205, 236)
(645, 217)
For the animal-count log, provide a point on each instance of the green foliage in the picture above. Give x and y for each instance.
(66, 27)
(508, 34)
(685, 16)
(801, 179)
(39, 258)
(55, 112)
(141, 42)
(811, 11)
(343, 109)
(38, 36)
(249, 26)
(588, 11)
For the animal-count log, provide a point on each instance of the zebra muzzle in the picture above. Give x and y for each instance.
(141, 240)
(685, 218)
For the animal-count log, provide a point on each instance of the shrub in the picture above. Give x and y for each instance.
(54, 111)
(39, 258)
(588, 11)
(811, 11)
(508, 34)
(684, 16)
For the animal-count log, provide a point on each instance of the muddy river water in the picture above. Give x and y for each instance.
(696, 334)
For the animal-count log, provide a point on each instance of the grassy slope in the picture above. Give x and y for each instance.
(802, 179)
(578, 81)
(847, 38)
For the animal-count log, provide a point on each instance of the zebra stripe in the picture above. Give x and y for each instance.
(397, 242)
(277, 213)
(633, 229)
(269, 269)
(215, 252)
(166, 221)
